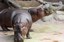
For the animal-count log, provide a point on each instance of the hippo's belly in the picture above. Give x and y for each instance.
(5, 20)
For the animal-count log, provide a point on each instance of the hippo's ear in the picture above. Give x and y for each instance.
(31, 11)
(40, 1)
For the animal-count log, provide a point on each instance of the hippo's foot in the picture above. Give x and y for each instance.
(6, 30)
(18, 40)
(31, 30)
(28, 37)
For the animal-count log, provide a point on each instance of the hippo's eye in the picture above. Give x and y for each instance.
(55, 5)
(43, 4)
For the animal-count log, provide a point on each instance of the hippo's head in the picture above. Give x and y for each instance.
(39, 12)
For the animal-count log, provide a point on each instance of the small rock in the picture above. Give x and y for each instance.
(55, 41)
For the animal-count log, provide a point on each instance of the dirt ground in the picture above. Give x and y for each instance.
(43, 32)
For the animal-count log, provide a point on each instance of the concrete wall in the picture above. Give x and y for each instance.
(46, 0)
(54, 1)
(28, 3)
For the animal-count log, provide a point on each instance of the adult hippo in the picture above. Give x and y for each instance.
(21, 20)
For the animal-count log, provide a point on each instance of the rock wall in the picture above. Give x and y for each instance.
(55, 17)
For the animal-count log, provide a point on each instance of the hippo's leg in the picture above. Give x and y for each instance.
(18, 34)
(28, 35)
(31, 30)
(5, 28)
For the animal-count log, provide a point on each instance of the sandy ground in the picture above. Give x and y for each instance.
(43, 32)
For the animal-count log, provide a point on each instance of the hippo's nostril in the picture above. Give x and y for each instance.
(45, 9)
(43, 4)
